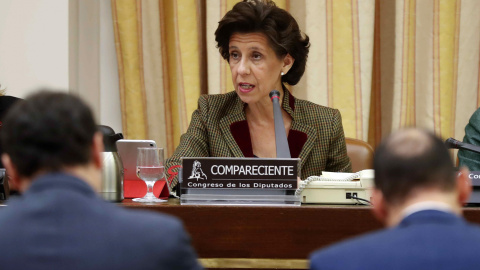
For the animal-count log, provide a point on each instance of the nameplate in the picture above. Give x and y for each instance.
(239, 173)
(475, 177)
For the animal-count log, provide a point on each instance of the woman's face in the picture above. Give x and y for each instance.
(255, 67)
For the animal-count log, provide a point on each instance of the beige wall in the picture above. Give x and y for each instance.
(33, 45)
(64, 45)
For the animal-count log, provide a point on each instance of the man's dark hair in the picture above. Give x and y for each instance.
(412, 159)
(281, 29)
(47, 132)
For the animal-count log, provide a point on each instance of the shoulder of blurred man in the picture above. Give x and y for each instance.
(60, 208)
(427, 239)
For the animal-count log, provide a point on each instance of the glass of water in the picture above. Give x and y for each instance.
(150, 168)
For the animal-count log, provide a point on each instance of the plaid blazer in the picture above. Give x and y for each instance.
(219, 129)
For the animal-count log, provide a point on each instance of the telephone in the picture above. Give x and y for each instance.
(337, 188)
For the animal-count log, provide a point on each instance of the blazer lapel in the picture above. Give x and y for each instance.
(302, 138)
(297, 140)
(235, 132)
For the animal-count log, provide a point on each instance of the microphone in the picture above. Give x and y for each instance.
(452, 143)
(283, 151)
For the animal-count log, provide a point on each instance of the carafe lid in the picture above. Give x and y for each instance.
(109, 138)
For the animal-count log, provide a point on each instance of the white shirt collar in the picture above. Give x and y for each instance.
(426, 205)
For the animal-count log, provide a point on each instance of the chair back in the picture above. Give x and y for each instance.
(360, 154)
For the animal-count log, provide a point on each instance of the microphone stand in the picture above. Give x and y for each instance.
(281, 142)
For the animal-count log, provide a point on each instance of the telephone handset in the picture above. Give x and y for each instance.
(337, 188)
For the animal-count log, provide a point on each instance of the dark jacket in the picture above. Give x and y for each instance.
(5, 103)
(427, 239)
(472, 136)
(61, 223)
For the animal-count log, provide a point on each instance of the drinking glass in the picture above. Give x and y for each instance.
(150, 168)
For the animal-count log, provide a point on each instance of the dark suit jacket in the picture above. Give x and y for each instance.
(5, 103)
(427, 239)
(472, 136)
(60, 223)
(219, 129)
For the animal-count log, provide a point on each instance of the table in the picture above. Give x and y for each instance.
(269, 237)
(264, 236)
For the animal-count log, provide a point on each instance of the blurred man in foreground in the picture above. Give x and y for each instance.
(53, 154)
(419, 196)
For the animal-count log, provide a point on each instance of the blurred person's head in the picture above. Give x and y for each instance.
(264, 47)
(413, 166)
(51, 132)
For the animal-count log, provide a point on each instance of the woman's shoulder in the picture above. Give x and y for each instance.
(317, 116)
(307, 107)
(220, 102)
(218, 98)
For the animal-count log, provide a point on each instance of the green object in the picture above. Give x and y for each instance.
(472, 136)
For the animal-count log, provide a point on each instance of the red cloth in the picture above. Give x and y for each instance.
(138, 189)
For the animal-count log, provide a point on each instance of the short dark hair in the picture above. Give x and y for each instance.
(281, 29)
(48, 131)
(411, 159)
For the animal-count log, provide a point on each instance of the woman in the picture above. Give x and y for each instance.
(265, 50)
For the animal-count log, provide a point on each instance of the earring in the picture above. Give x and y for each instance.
(281, 74)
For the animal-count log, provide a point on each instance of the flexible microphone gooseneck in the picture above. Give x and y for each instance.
(283, 151)
(452, 143)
